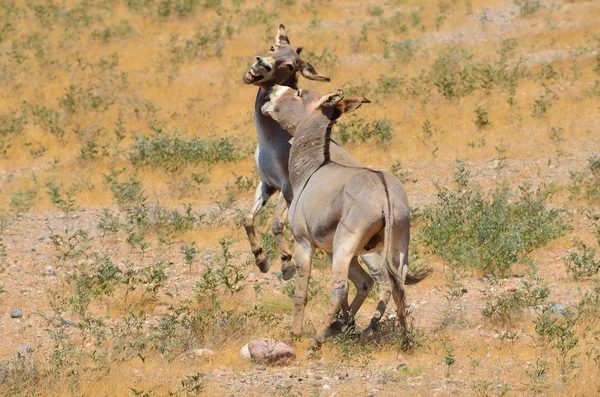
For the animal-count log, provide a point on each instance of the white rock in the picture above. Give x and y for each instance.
(245, 352)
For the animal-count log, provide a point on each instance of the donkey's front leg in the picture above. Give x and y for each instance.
(261, 196)
(303, 251)
(287, 267)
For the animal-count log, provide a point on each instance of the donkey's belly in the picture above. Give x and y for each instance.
(272, 167)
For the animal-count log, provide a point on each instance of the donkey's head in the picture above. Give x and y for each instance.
(279, 64)
(291, 107)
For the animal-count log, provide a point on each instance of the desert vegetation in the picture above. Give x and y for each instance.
(126, 163)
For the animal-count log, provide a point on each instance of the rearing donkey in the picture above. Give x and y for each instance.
(343, 210)
(281, 66)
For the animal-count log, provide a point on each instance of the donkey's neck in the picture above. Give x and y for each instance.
(310, 149)
(270, 134)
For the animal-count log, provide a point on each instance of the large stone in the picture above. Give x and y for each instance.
(271, 351)
(282, 354)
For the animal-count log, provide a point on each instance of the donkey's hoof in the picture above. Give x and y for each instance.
(295, 337)
(287, 271)
(337, 325)
(368, 333)
(263, 264)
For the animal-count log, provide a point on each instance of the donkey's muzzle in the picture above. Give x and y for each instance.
(261, 68)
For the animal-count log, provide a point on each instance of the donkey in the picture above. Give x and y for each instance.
(344, 210)
(281, 65)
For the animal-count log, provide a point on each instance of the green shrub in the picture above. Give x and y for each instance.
(172, 153)
(360, 129)
(586, 183)
(23, 200)
(171, 225)
(528, 7)
(488, 230)
(588, 307)
(117, 31)
(129, 196)
(62, 198)
(482, 117)
(559, 331)
(452, 73)
(583, 264)
(221, 275)
(502, 307)
(11, 126)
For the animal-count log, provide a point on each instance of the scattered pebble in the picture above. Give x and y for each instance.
(558, 309)
(16, 313)
(401, 367)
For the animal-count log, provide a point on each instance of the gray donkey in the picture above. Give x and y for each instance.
(343, 210)
(280, 66)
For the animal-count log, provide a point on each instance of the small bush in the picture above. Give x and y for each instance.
(11, 126)
(220, 275)
(528, 7)
(117, 31)
(23, 200)
(172, 153)
(589, 306)
(586, 183)
(502, 307)
(482, 117)
(583, 264)
(452, 73)
(488, 230)
(130, 197)
(349, 349)
(360, 129)
(402, 174)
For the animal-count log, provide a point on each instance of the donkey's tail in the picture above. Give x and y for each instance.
(417, 277)
(388, 254)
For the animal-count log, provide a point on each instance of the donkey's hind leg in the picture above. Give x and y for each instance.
(376, 267)
(288, 269)
(363, 284)
(261, 196)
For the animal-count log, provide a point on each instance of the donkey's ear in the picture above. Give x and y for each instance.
(310, 73)
(331, 99)
(281, 37)
(350, 105)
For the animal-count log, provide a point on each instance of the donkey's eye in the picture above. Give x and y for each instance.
(272, 48)
(290, 67)
(299, 93)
